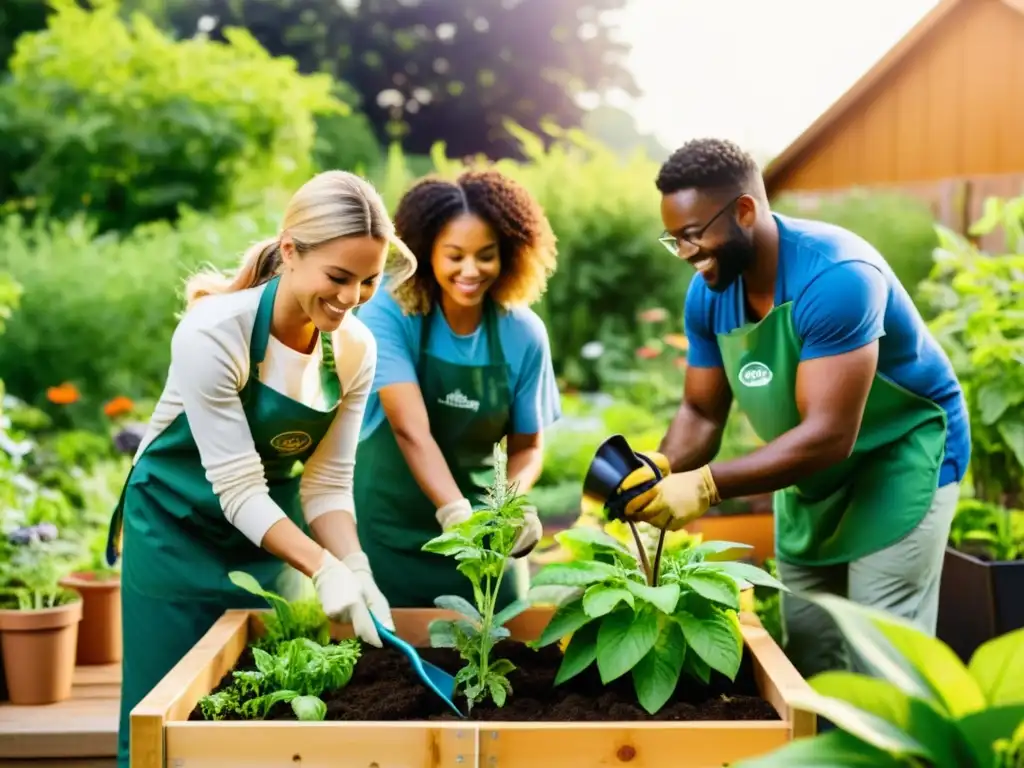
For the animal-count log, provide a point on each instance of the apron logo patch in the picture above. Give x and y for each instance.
(288, 443)
(458, 400)
(755, 375)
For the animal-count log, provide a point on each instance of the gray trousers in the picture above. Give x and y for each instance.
(902, 579)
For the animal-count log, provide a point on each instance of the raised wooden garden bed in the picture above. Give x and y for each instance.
(393, 722)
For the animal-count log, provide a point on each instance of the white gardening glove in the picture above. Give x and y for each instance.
(347, 593)
(530, 534)
(453, 513)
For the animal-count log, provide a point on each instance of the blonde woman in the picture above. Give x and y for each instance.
(268, 368)
(463, 363)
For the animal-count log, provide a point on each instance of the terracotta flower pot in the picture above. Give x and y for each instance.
(99, 634)
(39, 652)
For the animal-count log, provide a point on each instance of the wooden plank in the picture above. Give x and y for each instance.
(776, 677)
(84, 726)
(639, 745)
(335, 745)
(98, 762)
(176, 694)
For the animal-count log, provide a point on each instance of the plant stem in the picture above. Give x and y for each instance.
(642, 551)
(657, 558)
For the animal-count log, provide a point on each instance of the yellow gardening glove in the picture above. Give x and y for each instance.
(659, 461)
(675, 501)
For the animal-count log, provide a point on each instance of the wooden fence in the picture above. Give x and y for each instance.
(956, 203)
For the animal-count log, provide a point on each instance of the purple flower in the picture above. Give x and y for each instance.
(23, 536)
(127, 441)
(33, 533)
(46, 531)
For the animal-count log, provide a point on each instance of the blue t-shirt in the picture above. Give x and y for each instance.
(524, 341)
(844, 295)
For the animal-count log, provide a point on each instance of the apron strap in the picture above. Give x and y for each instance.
(495, 355)
(258, 348)
(494, 352)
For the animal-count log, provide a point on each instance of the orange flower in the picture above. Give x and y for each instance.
(676, 340)
(65, 394)
(655, 315)
(647, 353)
(119, 406)
(680, 362)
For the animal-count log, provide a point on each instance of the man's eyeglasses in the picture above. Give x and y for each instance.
(673, 245)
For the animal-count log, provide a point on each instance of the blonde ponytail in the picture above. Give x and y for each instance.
(259, 264)
(332, 204)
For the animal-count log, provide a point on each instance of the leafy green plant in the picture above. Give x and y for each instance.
(655, 622)
(919, 706)
(482, 545)
(988, 531)
(120, 120)
(978, 302)
(299, 672)
(33, 559)
(290, 620)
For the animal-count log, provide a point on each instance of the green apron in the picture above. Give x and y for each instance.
(178, 546)
(470, 410)
(869, 500)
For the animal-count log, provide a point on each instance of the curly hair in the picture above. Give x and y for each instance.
(526, 241)
(707, 164)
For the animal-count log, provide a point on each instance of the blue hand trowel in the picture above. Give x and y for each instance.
(436, 679)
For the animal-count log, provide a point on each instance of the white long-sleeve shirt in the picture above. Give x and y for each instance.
(209, 367)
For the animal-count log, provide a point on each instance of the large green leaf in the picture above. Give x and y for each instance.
(566, 619)
(663, 597)
(982, 729)
(713, 547)
(282, 608)
(917, 718)
(716, 587)
(510, 611)
(579, 654)
(575, 574)
(623, 639)
(583, 543)
(600, 599)
(917, 664)
(715, 638)
(747, 573)
(998, 668)
(865, 726)
(459, 605)
(835, 749)
(656, 675)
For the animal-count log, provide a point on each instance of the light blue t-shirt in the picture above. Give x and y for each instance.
(524, 341)
(844, 295)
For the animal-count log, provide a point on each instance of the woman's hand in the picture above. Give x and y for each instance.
(347, 592)
(530, 533)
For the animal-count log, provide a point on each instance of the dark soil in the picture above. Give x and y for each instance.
(384, 687)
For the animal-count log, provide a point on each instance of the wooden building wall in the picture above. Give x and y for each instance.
(952, 108)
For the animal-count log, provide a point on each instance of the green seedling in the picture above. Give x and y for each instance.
(481, 545)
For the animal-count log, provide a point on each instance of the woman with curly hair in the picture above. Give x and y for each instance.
(462, 363)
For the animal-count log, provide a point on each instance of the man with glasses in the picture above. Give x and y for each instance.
(865, 427)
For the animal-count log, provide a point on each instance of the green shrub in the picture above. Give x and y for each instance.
(899, 226)
(118, 120)
(99, 311)
(978, 303)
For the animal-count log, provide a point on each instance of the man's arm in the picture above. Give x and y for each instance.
(695, 434)
(830, 395)
(840, 317)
